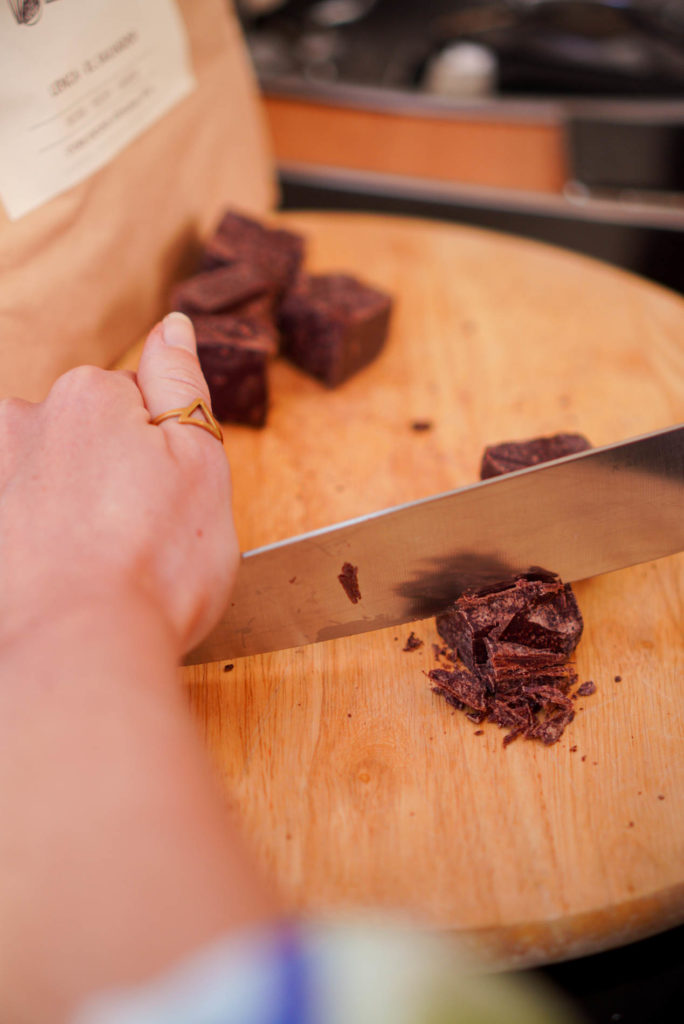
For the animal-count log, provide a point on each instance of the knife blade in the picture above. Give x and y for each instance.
(579, 516)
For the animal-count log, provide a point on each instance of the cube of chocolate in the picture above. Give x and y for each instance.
(276, 253)
(220, 289)
(512, 455)
(332, 325)
(234, 353)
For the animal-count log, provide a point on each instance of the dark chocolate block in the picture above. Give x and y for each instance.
(276, 253)
(213, 291)
(249, 321)
(511, 455)
(234, 354)
(332, 325)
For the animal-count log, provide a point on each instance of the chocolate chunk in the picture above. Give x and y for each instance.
(534, 610)
(276, 253)
(333, 325)
(413, 643)
(512, 455)
(234, 354)
(349, 578)
(514, 639)
(221, 289)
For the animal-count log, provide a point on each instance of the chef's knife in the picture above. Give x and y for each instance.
(585, 514)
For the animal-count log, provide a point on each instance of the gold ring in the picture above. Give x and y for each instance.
(186, 415)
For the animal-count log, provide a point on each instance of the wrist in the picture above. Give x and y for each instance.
(122, 619)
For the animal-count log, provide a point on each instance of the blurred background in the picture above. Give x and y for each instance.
(559, 120)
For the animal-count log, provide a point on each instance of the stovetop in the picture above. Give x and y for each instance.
(584, 48)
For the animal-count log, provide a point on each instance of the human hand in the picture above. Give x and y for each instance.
(97, 502)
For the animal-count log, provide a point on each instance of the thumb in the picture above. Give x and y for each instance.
(169, 373)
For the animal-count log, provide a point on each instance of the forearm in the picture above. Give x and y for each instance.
(116, 852)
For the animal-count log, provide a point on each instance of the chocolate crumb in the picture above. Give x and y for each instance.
(661, 796)
(349, 578)
(586, 689)
(630, 824)
(479, 732)
(618, 679)
(584, 757)
(413, 643)
(293, 579)
(420, 426)
(228, 668)
(573, 748)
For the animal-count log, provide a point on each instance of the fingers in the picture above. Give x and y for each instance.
(169, 375)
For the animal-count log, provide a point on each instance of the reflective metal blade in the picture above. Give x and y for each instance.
(578, 516)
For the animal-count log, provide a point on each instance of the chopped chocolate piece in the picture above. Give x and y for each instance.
(349, 578)
(234, 354)
(512, 455)
(618, 679)
(421, 425)
(586, 689)
(228, 668)
(535, 610)
(413, 643)
(277, 253)
(215, 290)
(333, 325)
(466, 688)
(514, 639)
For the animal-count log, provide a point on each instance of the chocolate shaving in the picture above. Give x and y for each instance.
(349, 578)
(586, 689)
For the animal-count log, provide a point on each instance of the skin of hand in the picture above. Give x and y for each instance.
(119, 853)
(94, 498)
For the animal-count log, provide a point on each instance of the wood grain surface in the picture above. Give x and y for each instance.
(358, 786)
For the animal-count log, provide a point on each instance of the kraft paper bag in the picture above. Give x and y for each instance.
(85, 274)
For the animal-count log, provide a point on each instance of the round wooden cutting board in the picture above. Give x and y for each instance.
(358, 786)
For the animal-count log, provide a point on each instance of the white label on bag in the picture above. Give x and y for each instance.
(79, 80)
